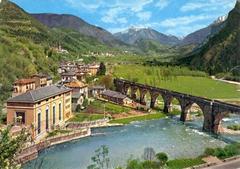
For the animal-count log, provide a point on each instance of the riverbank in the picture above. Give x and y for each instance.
(31, 152)
(143, 117)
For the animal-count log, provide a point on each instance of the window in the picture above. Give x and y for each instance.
(60, 111)
(20, 117)
(47, 118)
(39, 122)
(54, 115)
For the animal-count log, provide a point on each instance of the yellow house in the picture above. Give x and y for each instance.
(22, 86)
(41, 110)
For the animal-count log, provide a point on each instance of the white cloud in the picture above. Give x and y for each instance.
(185, 20)
(133, 5)
(113, 16)
(144, 16)
(95, 4)
(161, 4)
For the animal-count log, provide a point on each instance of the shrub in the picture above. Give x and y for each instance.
(162, 157)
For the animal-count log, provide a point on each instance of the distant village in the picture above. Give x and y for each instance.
(39, 103)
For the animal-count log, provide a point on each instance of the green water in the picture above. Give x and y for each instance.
(165, 135)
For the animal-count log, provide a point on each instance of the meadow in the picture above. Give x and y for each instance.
(178, 79)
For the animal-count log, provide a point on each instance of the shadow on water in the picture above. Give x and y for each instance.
(197, 125)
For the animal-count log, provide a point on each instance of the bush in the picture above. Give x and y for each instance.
(209, 151)
(162, 157)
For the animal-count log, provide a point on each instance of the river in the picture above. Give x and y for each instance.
(164, 135)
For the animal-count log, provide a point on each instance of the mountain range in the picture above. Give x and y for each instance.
(221, 53)
(75, 23)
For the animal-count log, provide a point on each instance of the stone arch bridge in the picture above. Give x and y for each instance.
(213, 111)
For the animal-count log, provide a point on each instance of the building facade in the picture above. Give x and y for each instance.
(22, 86)
(41, 110)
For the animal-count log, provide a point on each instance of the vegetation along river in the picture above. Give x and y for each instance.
(165, 135)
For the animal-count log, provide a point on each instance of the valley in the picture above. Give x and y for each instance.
(74, 95)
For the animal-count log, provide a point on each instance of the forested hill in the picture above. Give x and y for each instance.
(221, 53)
(26, 46)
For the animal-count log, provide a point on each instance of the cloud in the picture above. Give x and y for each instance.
(144, 16)
(133, 5)
(207, 5)
(161, 4)
(95, 4)
(113, 16)
(185, 20)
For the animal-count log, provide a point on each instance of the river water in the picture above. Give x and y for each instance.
(165, 135)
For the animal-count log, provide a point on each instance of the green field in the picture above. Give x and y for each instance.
(184, 163)
(139, 118)
(100, 106)
(178, 79)
(81, 117)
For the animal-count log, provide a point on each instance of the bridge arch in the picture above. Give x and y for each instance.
(157, 101)
(192, 108)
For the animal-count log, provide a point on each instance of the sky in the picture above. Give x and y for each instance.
(175, 17)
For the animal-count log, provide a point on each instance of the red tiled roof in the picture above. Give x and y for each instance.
(24, 81)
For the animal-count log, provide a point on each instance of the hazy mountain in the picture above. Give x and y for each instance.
(132, 35)
(77, 24)
(200, 36)
(221, 53)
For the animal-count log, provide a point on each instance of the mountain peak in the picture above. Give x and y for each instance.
(134, 34)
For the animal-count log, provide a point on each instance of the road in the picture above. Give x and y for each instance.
(235, 164)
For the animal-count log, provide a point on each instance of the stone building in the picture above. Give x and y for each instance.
(41, 110)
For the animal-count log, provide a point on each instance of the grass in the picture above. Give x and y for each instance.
(222, 153)
(81, 117)
(139, 118)
(234, 127)
(184, 163)
(57, 132)
(178, 79)
(98, 106)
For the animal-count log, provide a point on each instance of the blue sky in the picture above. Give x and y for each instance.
(176, 17)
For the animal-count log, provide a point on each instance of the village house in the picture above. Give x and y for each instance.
(42, 80)
(96, 91)
(79, 70)
(68, 76)
(22, 86)
(41, 110)
(79, 93)
(116, 97)
(93, 69)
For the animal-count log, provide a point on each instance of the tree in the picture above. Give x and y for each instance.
(100, 159)
(162, 158)
(107, 81)
(9, 147)
(102, 69)
(149, 154)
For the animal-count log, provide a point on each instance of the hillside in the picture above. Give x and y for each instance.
(133, 35)
(201, 36)
(221, 53)
(26, 46)
(75, 23)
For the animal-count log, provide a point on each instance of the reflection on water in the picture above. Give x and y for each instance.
(165, 135)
